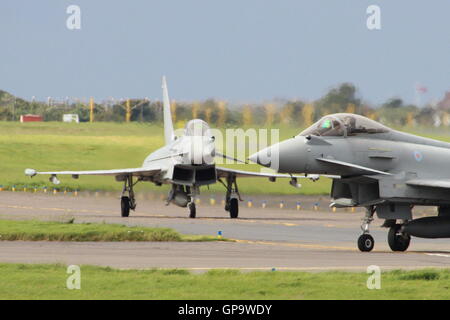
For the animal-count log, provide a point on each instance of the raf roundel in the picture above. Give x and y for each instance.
(418, 156)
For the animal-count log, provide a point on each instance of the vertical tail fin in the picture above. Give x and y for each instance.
(168, 126)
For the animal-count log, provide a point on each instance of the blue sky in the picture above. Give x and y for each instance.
(249, 50)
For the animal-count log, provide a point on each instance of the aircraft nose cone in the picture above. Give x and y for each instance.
(287, 156)
(254, 157)
(262, 157)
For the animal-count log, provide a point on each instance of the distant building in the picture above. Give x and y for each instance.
(445, 102)
(31, 118)
(71, 118)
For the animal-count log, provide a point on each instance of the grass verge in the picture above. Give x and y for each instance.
(53, 146)
(23, 281)
(32, 230)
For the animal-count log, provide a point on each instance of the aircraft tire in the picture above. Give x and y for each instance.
(396, 241)
(192, 210)
(234, 208)
(366, 242)
(125, 206)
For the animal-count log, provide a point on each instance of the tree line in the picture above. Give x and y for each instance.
(342, 98)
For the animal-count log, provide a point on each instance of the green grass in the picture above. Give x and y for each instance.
(85, 146)
(89, 146)
(32, 230)
(23, 281)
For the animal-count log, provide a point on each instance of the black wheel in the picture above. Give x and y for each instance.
(365, 242)
(396, 240)
(234, 208)
(125, 206)
(192, 210)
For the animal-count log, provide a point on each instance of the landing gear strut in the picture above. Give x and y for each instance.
(192, 210)
(127, 200)
(191, 204)
(366, 241)
(397, 240)
(232, 197)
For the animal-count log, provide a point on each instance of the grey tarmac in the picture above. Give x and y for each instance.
(284, 239)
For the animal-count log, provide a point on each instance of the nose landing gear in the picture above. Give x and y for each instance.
(366, 241)
(192, 210)
(192, 192)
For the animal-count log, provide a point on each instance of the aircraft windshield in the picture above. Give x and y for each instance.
(197, 127)
(327, 126)
(338, 124)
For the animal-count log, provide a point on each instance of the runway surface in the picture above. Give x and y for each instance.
(284, 239)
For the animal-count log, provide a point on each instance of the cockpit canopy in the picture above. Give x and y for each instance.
(341, 124)
(197, 127)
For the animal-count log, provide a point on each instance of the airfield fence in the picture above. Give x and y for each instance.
(343, 98)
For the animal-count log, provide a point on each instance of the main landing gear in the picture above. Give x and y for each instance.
(232, 197)
(366, 241)
(397, 240)
(127, 200)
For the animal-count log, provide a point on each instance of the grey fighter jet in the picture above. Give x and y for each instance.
(384, 170)
(186, 162)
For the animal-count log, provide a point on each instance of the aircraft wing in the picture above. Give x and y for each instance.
(224, 172)
(137, 172)
(431, 183)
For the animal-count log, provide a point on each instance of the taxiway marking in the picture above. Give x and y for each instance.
(329, 268)
(297, 245)
(438, 255)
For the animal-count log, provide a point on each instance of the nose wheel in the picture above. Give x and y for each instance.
(192, 192)
(366, 241)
